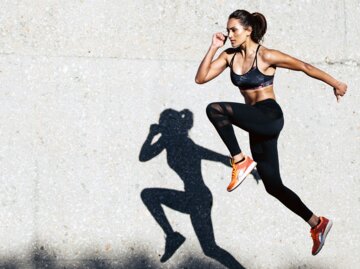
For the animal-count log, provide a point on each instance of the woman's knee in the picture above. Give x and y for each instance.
(275, 189)
(213, 109)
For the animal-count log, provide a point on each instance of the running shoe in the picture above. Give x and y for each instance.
(319, 233)
(173, 242)
(240, 171)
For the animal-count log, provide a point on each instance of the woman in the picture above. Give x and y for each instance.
(252, 68)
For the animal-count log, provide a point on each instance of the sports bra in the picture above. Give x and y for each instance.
(251, 80)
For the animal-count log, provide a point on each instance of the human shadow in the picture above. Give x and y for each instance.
(184, 157)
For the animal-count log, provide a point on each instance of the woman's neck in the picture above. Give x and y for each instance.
(249, 47)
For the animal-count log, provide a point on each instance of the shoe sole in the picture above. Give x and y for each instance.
(327, 229)
(247, 172)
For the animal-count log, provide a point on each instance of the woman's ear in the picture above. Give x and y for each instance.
(248, 31)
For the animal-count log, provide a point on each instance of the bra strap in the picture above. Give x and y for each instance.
(232, 59)
(255, 60)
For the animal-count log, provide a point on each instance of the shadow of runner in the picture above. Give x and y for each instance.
(184, 157)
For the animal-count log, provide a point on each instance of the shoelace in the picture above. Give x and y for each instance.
(314, 235)
(234, 169)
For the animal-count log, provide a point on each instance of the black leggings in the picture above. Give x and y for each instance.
(264, 121)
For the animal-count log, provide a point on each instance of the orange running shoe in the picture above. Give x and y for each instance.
(319, 233)
(240, 172)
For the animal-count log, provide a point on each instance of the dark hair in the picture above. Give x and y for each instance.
(256, 20)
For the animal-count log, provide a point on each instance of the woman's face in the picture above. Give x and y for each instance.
(236, 32)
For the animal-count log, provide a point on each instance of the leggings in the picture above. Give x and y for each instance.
(263, 121)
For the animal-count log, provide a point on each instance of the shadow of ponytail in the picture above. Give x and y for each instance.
(187, 119)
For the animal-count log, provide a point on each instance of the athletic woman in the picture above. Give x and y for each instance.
(252, 69)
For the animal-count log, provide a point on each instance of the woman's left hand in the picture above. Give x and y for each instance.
(340, 90)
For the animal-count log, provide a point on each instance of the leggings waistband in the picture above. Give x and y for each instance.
(268, 100)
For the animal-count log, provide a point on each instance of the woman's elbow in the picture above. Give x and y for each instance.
(199, 81)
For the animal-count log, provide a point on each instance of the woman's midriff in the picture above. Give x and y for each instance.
(253, 96)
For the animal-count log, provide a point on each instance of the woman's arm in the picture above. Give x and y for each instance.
(278, 59)
(208, 68)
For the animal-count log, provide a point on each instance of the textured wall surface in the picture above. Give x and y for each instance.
(82, 81)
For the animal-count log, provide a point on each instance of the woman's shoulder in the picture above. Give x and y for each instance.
(267, 54)
(265, 51)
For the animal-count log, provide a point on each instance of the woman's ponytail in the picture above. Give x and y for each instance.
(259, 26)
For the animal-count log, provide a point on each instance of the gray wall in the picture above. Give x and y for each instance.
(82, 81)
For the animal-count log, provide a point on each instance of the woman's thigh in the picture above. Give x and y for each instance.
(250, 118)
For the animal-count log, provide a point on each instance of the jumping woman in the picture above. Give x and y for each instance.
(252, 69)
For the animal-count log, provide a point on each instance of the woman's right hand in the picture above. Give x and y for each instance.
(218, 40)
(340, 90)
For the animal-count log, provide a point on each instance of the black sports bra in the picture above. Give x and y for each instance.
(251, 80)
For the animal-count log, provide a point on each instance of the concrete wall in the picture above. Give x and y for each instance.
(80, 84)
